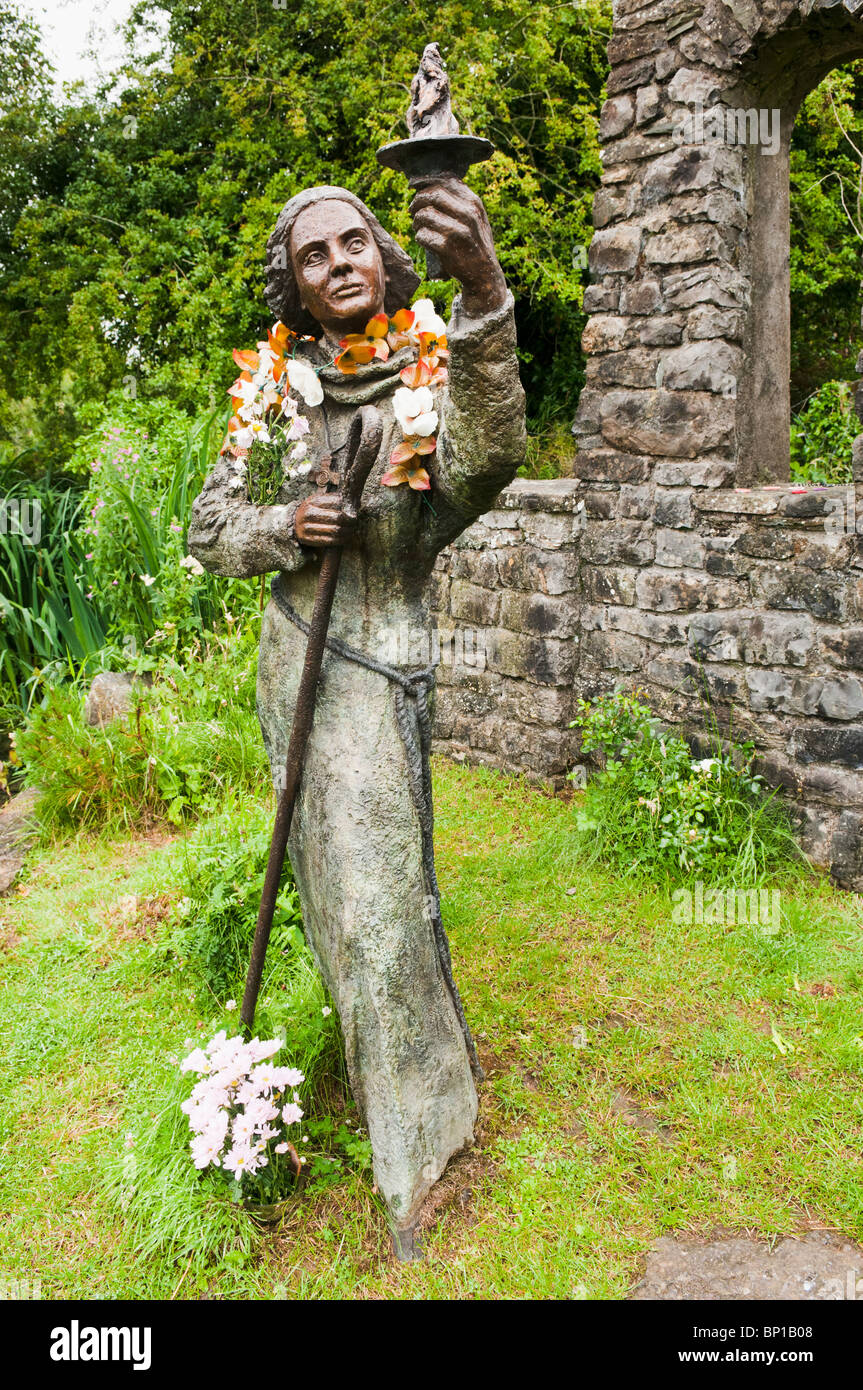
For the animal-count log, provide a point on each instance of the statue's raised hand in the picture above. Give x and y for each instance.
(450, 219)
(321, 521)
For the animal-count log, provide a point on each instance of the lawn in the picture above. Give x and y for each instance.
(644, 1077)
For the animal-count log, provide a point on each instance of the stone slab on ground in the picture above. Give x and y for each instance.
(17, 832)
(806, 1268)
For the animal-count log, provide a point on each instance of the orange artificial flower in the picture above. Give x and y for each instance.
(407, 466)
(360, 348)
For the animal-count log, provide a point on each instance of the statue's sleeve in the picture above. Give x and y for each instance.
(232, 536)
(482, 437)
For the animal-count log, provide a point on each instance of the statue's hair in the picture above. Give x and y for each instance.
(282, 292)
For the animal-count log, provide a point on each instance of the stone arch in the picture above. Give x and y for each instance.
(689, 337)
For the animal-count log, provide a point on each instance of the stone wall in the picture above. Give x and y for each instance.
(655, 565)
(746, 603)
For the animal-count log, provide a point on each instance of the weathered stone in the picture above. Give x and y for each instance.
(471, 604)
(479, 566)
(662, 331)
(615, 651)
(721, 285)
(609, 585)
(706, 321)
(673, 508)
(534, 569)
(765, 544)
(846, 849)
(825, 595)
(548, 661)
(637, 367)
(647, 104)
(715, 637)
(601, 506)
(667, 592)
(680, 170)
(841, 699)
(621, 543)
(679, 549)
(610, 465)
(811, 744)
(601, 299)
(712, 473)
(636, 502)
(846, 648)
(615, 249)
(110, 697)
(713, 365)
(679, 424)
(541, 615)
(608, 205)
(698, 243)
(689, 87)
(604, 333)
(774, 640)
(617, 116)
(641, 297)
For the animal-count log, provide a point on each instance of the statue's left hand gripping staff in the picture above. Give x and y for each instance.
(364, 441)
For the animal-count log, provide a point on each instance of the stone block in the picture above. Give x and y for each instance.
(715, 636)
(845, 647)
(615, 249)
(533, 569)
(609, 585)
(679, 549)
(636, 501)
(706, 321)
(619, 543)
(539, 615)
(601, 299)
(677, 424)
(616, 116)
(771, 639)
(811, 744)
(614, 651)
(611, 465)
(471, 604)
(641, 297)
(604, 333)
(673, 508)
(823, 595)
(685, 244)
(662, 331)
(712, 365)
(841, 699)
(546, 660)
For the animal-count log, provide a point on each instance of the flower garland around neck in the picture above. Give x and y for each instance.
(266, 413)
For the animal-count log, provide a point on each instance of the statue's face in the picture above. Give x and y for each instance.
(338, 267)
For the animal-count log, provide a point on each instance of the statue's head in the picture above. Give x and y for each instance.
(331, 266)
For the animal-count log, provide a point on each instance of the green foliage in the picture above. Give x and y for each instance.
(184, 742)
(226, 878)
(826, 232)
(822, 434)
(656, 811)
(49, 620)
(136, 250)
(144, 475)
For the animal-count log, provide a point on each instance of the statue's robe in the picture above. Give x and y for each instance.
(355, 844)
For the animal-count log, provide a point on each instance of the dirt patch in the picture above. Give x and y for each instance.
(816, 1266)
(625, 1105)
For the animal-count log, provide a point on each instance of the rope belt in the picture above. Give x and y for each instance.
(415, 728)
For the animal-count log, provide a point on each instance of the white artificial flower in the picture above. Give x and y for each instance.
(299, 451)
(707, 765)
(246, 390)
(427, 319)
(147, 579)
(192, 565)
(231, 1005)
(304, 379)
(413, 410)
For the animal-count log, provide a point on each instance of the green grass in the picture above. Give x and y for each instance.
(645, 1078)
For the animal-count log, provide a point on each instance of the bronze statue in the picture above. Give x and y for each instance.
(361, 839)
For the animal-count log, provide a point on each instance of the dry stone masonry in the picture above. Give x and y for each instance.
(678, 557)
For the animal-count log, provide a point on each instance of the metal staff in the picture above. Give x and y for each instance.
(364, 440)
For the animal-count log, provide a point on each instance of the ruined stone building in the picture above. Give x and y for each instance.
(679, 558)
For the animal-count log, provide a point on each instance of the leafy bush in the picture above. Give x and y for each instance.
(49, 620)
(822, 435)
(185, 740)
(224, 890)
(143, 480)
(654, 810)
